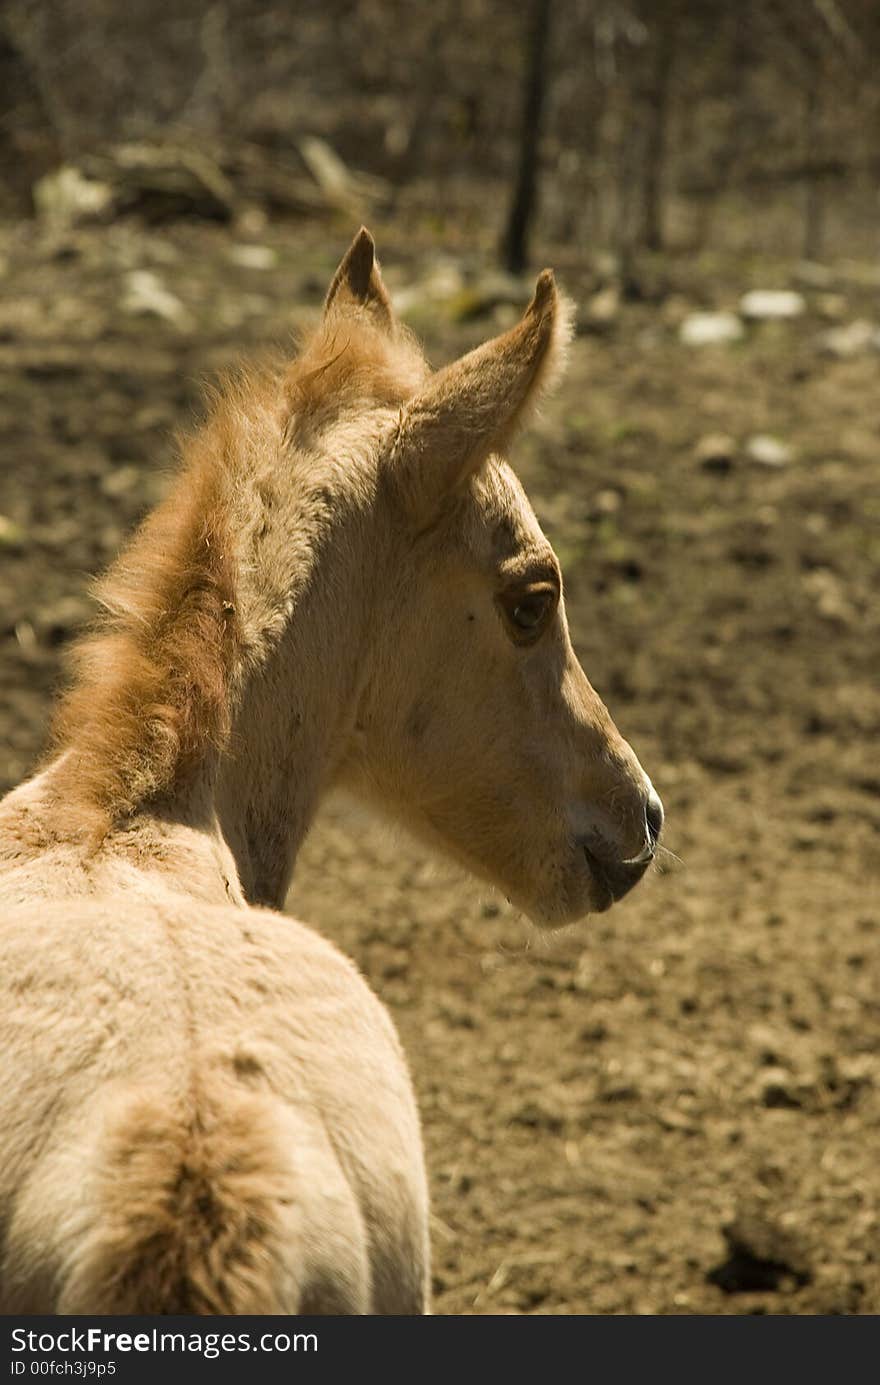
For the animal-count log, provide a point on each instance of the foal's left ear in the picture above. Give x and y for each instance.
(473, 407)
(357, 283)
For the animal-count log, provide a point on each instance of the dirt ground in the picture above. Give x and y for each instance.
(674, 1108)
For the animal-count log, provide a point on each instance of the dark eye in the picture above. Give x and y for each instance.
(528, 610)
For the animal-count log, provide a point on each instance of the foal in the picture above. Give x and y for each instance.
(204, 1109)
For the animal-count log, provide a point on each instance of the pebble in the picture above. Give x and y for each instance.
(764, 305)
(715, 452)
(764, 1254)
(64, 197)
(607, 502)
(253, 256)
(120, 480)
(11, 534)
(146, 295)
(777, 1090)
(831, 306)
(711, 329)
(855, 339)
(768, 451)
(602, 309)
(830, 597)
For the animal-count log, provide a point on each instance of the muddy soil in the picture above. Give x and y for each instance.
(675, 1107)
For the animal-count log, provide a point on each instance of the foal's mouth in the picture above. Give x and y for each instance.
(615, 879)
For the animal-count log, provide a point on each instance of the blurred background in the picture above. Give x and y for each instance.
(674, 1108)
(684, 124)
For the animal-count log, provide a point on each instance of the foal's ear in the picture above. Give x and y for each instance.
(474, 406)
(357, 282)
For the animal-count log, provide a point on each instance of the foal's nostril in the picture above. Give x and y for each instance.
(654, 816)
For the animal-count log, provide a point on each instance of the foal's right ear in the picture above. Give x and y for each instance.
(473, 407)
(357, 283)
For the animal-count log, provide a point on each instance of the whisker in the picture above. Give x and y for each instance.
(664, 851)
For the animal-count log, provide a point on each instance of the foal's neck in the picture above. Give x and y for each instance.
(289, 742)
(296, 721)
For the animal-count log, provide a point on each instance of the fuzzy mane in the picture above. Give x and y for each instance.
(154, 682)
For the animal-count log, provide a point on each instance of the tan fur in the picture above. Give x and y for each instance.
(215, 1117)
(185, 1212)
(475, 406)
(153, 686)
(204, 1108)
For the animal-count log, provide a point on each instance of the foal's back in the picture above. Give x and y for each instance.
(204, 1109)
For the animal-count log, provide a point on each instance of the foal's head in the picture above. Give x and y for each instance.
(476, 722)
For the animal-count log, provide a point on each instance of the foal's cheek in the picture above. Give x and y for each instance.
(418, 722)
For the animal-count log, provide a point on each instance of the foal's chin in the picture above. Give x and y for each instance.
(560, 908)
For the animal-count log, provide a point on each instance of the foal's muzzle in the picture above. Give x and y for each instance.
(618, 877)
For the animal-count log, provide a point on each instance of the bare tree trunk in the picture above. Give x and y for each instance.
(814, 192)
(24, 36)
(626, 171)
(729, 156)
(657, 105)
(514, 243)
(417, 134)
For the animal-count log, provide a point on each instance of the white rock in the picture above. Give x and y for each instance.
(120, 480)
(710, 329)
(253, 256)
(604, 306)
(65, 197)
(830, 596)
(499, 287)
(768, 451)
(762, 305)
(340, 185)
(146, 295)
(443, 281)
(854, 339)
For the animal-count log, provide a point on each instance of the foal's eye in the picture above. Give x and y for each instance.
(528, 611)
